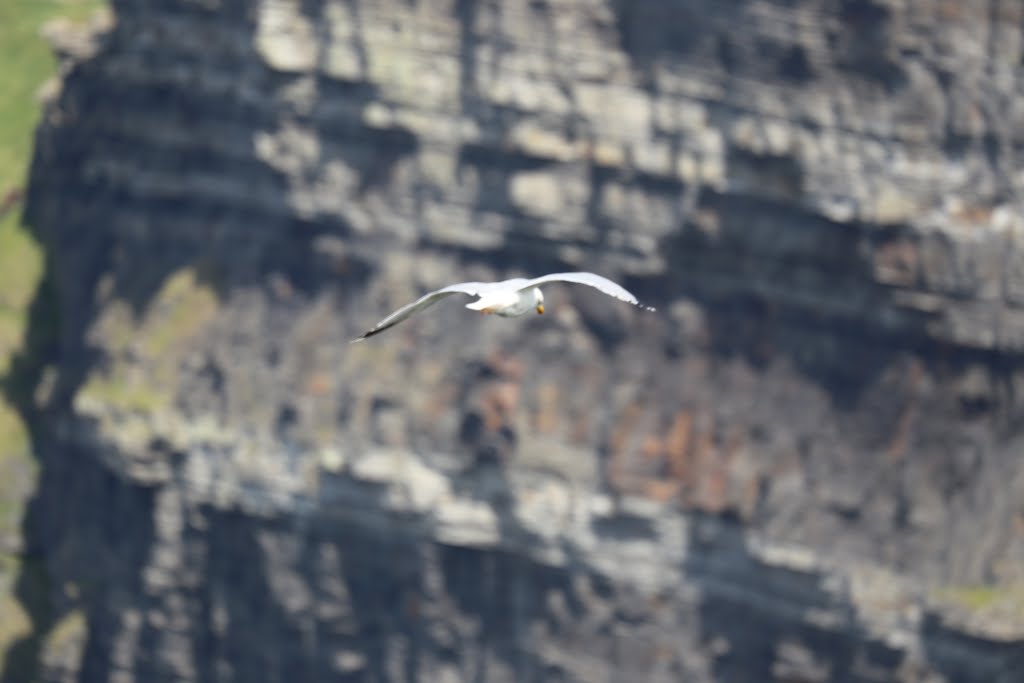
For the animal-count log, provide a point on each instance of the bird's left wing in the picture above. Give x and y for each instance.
(470, 288)
(602, 284)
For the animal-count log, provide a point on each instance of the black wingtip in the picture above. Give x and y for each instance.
(367, 335)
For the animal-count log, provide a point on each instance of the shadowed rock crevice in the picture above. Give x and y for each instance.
(822, 638)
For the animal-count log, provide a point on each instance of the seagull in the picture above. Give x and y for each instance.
(508, 298)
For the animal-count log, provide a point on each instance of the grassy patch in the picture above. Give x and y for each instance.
(15, 623)
(1006, 599)
(13, 437)
(27, 63)
(18, 474)
(972, 597)
(12, 327)
(23, 619)
(120, 392)
(21, 265)
(177, 313)
(67, 638)
(180, 310)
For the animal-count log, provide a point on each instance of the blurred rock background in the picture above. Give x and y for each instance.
(805, 467)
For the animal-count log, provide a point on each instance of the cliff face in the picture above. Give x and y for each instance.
(790, 472)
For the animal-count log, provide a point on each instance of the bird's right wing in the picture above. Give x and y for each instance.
(598, 282)
(470, 288)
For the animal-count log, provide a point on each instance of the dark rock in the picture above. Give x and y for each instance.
(772, 478)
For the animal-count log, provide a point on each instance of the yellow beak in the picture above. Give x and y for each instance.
(540, 309)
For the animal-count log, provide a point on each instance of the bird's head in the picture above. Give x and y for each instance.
(538, 300)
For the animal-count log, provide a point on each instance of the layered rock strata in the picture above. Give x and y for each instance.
(804, 467)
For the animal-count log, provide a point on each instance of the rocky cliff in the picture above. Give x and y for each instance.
(804, 467)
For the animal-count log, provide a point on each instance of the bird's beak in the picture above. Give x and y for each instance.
(540, 309)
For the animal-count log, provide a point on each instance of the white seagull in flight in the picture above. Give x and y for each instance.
(509, 298)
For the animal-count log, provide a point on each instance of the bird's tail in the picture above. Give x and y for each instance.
(479, 304)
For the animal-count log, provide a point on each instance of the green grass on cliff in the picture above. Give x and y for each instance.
(25, 64)
(1008, 598)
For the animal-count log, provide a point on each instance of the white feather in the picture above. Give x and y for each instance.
(503, 296)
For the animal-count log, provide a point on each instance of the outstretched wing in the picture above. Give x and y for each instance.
(593, 280)
(470, 288)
